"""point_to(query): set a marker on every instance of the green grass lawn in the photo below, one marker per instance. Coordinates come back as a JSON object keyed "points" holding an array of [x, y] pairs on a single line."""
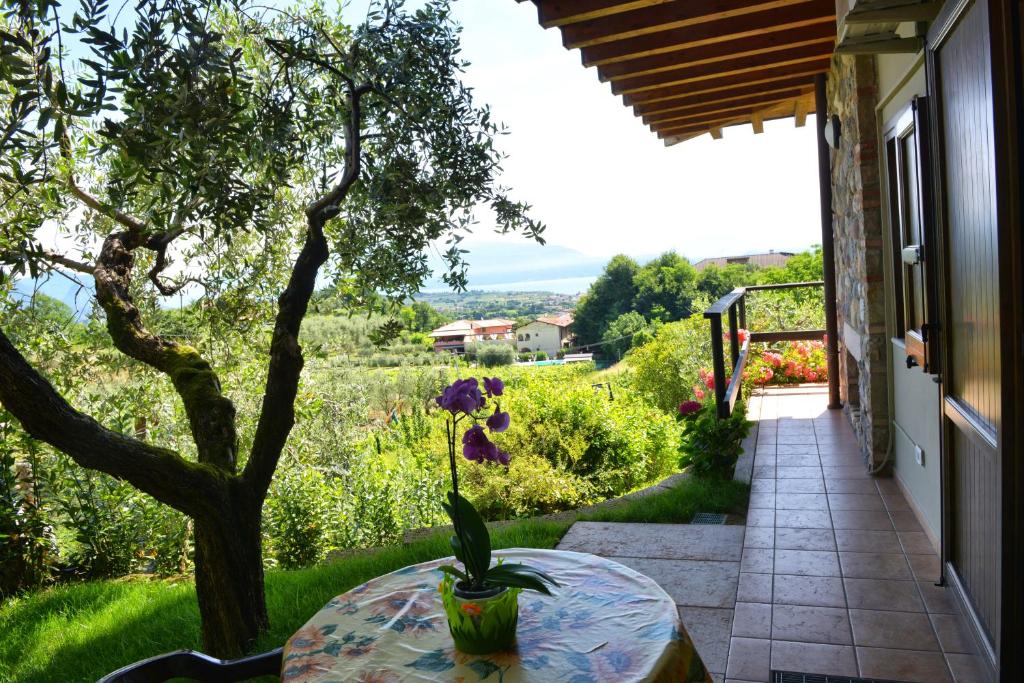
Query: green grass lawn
{"points": [[81, 631], [678, 504]]}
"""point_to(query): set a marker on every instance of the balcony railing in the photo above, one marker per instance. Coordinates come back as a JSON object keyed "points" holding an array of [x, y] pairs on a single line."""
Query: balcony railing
{"points": [[734, 305]]}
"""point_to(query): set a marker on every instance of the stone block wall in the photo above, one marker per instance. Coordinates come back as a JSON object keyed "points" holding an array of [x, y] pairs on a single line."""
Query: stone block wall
{"points": [[857, 222]]}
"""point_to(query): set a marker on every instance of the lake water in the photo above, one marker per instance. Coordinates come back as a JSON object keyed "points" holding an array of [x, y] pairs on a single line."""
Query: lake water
{"points": [[565, 285]]}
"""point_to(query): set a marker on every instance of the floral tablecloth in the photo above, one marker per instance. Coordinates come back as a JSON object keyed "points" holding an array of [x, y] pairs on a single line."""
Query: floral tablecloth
{"points": [[607, 622]]}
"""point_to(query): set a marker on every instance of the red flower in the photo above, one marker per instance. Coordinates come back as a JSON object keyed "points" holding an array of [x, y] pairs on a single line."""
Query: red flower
{"points": [[698, 393], [688, 408]]}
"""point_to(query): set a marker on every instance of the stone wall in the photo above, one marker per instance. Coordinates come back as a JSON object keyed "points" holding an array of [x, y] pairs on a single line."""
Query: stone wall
{"points": [[856, 205]]}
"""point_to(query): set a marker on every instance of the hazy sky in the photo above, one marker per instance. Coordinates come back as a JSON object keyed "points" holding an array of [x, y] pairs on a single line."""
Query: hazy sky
{"points": [[603, 182]]}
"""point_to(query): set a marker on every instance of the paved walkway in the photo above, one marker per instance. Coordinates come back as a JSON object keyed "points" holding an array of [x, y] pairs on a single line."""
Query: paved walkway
{"points": [[831, 575]]}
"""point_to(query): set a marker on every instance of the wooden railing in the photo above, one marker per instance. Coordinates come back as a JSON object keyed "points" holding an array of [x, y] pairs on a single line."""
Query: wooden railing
{"points": [[734, 305]]}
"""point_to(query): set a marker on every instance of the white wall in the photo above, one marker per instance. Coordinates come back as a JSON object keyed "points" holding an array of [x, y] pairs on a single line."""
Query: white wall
{"points": [[915, 395], [543, 337]]}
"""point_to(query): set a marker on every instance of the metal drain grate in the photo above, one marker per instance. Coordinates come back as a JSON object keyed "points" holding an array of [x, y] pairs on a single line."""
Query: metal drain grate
{"points": [[793, 677], [708, 518]]}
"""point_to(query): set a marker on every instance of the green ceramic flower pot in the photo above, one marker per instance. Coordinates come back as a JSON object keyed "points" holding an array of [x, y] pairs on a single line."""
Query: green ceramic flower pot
{"points": [[481, 623]]}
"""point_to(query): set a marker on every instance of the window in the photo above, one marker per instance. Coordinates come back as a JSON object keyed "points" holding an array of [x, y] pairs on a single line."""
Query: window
{"points": [[911, 223]]}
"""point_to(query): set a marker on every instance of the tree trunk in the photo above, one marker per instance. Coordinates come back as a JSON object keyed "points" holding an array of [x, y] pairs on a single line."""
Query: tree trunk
{"points": [[229, 575]]}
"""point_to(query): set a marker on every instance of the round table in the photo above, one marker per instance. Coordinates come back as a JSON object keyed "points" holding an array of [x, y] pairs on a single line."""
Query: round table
{"points": [[606, 622]]}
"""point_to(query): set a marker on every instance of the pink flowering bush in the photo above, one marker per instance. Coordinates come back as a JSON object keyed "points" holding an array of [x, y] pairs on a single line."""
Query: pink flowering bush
{"points": [[792, 363]]}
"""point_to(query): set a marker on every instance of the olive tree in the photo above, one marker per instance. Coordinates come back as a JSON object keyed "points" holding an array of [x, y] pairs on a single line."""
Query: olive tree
{"points": [[245, 153]]}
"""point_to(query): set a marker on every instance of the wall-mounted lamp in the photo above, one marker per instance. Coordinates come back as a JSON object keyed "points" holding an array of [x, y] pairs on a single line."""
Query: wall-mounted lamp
{"points": [[832, 131]]}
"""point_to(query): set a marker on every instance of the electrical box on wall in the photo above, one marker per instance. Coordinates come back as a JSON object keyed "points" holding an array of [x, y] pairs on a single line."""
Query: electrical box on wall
{"points": [[918, 455]]}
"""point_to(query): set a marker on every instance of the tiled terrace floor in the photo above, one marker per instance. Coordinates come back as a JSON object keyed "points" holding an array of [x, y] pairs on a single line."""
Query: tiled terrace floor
{"points": [[836, 575]]}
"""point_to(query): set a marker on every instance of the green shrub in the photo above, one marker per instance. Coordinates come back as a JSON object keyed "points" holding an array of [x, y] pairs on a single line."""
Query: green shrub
{"points": [[495, 355], [540, 355], [295, 518], [711, 446], [665, 369], [529, 486]]}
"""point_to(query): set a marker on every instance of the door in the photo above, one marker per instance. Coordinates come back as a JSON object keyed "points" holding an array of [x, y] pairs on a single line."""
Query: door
{"points": [[961, 78]]}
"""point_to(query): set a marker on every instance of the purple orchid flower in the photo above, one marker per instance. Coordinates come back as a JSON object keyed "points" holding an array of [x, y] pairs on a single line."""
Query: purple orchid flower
{"points": [[499, 421], [689, 408], [493, 386], [477, 447], [463, 396]]}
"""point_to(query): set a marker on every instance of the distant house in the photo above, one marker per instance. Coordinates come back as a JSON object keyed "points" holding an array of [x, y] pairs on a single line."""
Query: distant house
{"points": [[548, 333], [454, 337], [771, 259]]}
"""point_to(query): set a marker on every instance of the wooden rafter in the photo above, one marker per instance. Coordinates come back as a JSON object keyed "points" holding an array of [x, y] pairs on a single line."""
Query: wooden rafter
{"points": [[802, 83], [761, 44], [741, 65], [690, 67], [663, 17], [719, 31], [726, 83]]}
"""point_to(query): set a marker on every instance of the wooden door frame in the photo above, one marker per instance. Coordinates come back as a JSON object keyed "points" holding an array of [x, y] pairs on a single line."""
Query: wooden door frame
{"points": [[1005, 34]]}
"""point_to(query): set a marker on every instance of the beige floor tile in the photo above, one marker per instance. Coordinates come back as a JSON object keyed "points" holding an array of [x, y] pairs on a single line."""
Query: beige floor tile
{"points": [[808, 624], [797, 460], [861, 519], [937, 599], [888, 485], [915, 543], [884, 594], [874, 566], [762, 499], [807, 562], [800, 438], [749, 659], [805, 539], [925, 567], [797, 472], [849, 485], [965, 668], [752, 620], [845, 472], [903, 665], [952, 633], [710, 629], [895, 501], [754, 587], [803, 519], [759, 537], [760, 517], [813, 591], [757, 560], [763, 485], [855, 501], [812, 485], [764, 472], [808, 448], [700, 583], [867, 541], [765, 460], [905, 520], [801, 501], [899, 630], [832, 459], [837, 660]]}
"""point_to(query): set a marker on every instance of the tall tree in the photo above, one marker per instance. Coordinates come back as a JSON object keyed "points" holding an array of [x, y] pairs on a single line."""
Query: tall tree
{"points": [[239, 149], [610, 296], [665, 288]]}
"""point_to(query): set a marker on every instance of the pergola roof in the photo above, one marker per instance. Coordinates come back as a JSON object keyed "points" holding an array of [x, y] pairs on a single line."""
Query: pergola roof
{"points": [[689, 67]]}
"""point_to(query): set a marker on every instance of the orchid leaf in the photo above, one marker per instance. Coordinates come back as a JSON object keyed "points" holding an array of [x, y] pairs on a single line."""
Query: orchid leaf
{"points": [[520, 576]]}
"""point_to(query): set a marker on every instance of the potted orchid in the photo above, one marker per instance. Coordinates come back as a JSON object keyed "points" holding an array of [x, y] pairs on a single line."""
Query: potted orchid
{"points": [[481, 600]]}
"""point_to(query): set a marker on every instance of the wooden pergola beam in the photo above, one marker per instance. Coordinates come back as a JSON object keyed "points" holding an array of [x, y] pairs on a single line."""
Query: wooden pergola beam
{"points": [[561, 12], [714, 108], [692, 99], [662, 17], [764, 43], [728, 113], [804, 69], [751, 65], [776, 111], [794, 16]]}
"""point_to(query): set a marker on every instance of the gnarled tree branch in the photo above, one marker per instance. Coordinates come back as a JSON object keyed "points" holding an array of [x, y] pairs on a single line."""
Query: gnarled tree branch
{"points": [[45, 415], [277, 415], [211, 414], [69, 263]]}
